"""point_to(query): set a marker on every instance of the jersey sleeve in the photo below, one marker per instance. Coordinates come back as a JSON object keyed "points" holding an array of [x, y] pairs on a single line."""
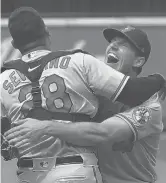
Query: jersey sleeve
{"points": [[3, 111], [102, 79], [144, 120]]}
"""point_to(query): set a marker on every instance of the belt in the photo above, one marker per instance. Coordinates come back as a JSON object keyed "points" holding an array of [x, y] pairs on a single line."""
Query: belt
{"points": [[28, 162]]}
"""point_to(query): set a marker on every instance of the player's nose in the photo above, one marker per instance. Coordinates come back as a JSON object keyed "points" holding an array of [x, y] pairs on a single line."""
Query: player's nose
{"points": [[114, 47]]}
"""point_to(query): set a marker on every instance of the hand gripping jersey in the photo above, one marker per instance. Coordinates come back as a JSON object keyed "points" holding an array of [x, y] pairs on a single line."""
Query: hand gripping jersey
{"points": [[63, 83]]}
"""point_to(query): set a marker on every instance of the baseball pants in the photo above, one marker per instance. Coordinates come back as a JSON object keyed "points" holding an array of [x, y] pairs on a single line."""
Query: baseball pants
{"points": [[80, 168]]}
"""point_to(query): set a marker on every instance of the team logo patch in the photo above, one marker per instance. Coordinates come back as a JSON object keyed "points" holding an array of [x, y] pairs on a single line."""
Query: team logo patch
{"points": [[44, 164], [142, 115]]}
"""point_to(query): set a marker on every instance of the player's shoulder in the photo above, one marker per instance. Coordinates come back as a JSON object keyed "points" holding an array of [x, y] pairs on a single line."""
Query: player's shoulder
{"points": [[151, 107], [151, 110], [80, 57], [154, 102], [79, 53], [3, 76], [7, 65], [6, 71]]}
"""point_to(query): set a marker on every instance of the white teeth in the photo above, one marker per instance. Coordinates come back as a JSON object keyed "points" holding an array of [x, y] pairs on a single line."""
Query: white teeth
{"points": [[113, 55]]}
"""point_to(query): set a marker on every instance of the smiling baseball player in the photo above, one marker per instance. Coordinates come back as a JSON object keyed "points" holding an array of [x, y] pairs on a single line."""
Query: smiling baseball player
{"points": [[58, 85], [128, 142]]}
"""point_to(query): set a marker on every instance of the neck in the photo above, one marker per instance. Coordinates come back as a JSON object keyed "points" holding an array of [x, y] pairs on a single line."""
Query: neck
{"points": [[133, 74], [35, 49]]}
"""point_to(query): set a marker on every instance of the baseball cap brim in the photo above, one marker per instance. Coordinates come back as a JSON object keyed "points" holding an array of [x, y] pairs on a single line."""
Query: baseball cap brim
{"points": [[110, 34]]}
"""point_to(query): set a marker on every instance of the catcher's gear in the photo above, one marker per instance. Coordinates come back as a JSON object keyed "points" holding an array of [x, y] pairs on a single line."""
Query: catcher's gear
{"points": [[8, 151], [37, 111]]}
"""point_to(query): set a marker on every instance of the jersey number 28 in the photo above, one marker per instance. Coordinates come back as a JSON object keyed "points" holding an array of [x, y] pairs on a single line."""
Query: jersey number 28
{"points": [[54, 92]]}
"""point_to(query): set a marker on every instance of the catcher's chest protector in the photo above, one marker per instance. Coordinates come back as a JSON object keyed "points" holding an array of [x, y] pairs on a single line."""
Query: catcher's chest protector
{"points": [[37, 111]]}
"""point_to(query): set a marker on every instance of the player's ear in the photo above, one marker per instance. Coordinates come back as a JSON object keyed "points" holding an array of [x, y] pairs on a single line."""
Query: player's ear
{"points": [[139, 62]]}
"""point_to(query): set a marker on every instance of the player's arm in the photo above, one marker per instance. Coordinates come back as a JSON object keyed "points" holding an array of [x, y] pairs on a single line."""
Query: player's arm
{"points": [[138, 90], [108, 132], [106, 81], [125, 127], [129, 126]]}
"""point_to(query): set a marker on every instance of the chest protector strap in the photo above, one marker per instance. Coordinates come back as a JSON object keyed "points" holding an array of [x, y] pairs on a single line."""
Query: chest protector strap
{"points": [[34, 75]]}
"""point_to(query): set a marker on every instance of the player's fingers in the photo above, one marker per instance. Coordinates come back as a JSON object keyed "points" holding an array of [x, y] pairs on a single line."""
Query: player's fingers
{"points": [[15, 134], [21, 143], [13, 130], [16, 140], [24, 146], [20, 122]]}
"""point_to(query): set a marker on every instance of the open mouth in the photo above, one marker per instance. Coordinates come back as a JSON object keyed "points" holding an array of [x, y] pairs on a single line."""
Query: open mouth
{"points": [[112, 58]]}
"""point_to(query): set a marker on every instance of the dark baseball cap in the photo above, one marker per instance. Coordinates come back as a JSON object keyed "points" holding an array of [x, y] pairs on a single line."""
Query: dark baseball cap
{"points": [[26, 25], [134, 35]]}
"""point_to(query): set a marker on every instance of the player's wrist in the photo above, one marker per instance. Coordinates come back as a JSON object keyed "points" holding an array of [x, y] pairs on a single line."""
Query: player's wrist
{"points": [[48, 127], [52, 128]]}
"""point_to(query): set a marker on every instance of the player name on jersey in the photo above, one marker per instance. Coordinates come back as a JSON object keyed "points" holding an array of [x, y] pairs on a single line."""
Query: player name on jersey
{"points": [[15, 78]]}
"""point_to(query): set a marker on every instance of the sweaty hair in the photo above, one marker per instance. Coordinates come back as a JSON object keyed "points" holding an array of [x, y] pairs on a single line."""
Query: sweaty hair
{"points": [[26, 26]]}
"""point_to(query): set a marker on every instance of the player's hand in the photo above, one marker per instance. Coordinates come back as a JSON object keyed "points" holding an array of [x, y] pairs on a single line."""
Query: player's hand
{"points": [[26, 132]]}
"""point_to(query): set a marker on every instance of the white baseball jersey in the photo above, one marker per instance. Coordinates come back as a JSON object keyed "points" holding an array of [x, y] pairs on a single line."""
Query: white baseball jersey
{"points": [[137, 166], [68, 84]]}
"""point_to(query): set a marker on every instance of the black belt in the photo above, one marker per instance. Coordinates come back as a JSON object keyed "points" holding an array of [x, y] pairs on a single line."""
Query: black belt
{"points": [[28, 162]]}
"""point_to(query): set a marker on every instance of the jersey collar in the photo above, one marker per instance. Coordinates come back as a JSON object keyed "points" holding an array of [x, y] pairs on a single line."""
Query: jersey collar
{"points": [[34, 55]]}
